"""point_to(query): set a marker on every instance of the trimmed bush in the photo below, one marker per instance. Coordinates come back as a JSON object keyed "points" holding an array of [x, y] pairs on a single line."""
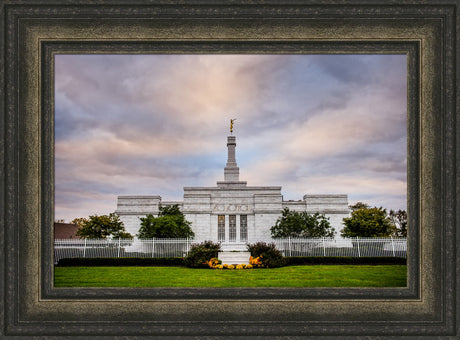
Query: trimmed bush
{"points": [[121, 262], [267, 253], [315, 260], [201, 253]]}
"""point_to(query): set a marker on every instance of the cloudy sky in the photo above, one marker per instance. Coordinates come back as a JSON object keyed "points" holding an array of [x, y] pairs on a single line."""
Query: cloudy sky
{"points": [[152, 124]]}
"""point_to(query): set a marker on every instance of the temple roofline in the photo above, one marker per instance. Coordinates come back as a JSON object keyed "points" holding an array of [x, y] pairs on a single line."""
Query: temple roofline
{"points": [[245, 188]]}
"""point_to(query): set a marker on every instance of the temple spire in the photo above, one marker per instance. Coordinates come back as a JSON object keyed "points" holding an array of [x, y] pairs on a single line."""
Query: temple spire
{"points": [[231, 170]]}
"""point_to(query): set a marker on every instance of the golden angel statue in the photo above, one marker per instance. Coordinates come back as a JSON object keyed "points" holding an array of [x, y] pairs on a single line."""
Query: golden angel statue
{"points": [[231, 125]]}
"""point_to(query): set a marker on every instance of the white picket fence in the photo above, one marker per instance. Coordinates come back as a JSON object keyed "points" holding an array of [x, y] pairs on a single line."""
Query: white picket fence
{"points": [[70, 248], [355, 247]]}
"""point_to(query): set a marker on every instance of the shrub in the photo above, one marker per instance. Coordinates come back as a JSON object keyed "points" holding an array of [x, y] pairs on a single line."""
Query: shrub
{"points": [[267, 253], [340, 260], [121, 262], [200, 254]]}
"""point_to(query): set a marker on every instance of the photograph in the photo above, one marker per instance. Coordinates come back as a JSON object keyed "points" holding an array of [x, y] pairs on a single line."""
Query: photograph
{"points": [[169, 165], [215, 169]]}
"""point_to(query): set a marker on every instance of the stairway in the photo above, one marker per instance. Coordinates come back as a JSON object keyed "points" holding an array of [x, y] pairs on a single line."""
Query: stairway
{"points": [[234, 257], [233, 246]]}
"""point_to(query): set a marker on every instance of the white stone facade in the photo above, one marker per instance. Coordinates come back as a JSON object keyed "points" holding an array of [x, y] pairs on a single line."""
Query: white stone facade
{"points": [[232, 212]]}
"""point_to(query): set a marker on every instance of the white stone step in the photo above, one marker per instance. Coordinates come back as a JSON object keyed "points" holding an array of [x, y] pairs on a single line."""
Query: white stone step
{"points": [[232, 246], [234, 257]]}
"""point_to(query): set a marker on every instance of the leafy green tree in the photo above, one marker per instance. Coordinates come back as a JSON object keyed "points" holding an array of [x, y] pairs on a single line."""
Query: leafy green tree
{"points": [[368, 222], [301, 224], [103, 226], [80, 221], [170, 223], [359, 205], [172, 210], [399, 219]]}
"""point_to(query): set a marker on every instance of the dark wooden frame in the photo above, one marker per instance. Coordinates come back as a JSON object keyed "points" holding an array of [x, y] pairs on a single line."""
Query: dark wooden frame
{"points": [[426, 31]]}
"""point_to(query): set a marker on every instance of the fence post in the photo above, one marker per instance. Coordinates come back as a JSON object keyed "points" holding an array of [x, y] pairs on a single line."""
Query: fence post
{"points": [[84, 249], [393, 246], [324, 248], [119, 246], [290, 248], [153, 246], [357, 242]]}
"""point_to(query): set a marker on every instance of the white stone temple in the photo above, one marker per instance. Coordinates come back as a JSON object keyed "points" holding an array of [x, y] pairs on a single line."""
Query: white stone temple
{"points": [[232, 212]]}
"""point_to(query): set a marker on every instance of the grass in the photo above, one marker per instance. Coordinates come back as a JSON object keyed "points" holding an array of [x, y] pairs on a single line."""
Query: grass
{"points": [[290, 276]]}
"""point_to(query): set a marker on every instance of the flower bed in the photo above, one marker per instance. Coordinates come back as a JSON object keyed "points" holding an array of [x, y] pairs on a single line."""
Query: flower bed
{"points": [[256, 261], [215, 263]]}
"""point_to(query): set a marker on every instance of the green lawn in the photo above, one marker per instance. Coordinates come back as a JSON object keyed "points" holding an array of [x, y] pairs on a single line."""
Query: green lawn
{"points": [[290, 276]]}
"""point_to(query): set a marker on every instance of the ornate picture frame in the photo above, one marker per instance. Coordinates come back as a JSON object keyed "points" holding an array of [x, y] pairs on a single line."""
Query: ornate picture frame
{"points": [[33, 33]]}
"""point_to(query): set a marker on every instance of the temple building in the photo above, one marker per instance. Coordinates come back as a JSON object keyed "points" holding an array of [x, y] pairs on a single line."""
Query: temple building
{"points": [[233, 212]]}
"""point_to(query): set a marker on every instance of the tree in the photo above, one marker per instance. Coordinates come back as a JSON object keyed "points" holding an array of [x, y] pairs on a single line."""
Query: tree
{"points": [[170, 223], [301, 224], [172, 210], [399, 219], [80, 221], [368, 222], [359, 205], [103, 226]]}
